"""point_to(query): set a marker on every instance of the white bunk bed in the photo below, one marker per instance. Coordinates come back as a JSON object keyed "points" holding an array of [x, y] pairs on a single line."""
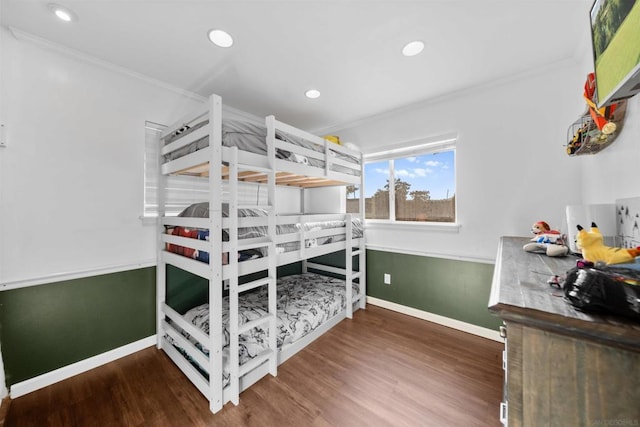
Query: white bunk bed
{"points": [[278, 154]]}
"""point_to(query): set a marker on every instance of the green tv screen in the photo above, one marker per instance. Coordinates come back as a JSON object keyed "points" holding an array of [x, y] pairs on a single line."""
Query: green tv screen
{"points": [[615, 31]]}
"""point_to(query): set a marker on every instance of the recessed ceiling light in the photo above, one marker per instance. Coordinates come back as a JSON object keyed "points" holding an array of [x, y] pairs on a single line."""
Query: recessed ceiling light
{"points": [[220, 38], [413, 48], [63, 13], [312, 93]]}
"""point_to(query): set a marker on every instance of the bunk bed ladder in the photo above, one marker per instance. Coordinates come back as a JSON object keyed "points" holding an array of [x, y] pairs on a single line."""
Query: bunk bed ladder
{"points": [[350, 273], [270, 356], [360, 252]]}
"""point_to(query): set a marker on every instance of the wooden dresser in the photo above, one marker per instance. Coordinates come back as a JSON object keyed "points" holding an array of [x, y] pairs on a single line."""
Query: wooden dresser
{"points": [[562, 367]]}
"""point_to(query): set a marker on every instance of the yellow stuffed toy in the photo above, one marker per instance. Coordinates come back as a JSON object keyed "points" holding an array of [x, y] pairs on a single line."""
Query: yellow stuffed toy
{"points": [[591, 243]]}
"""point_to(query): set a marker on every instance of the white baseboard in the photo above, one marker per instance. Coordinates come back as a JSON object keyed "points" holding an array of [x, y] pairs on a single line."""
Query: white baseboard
{"points": [[435, 318], [44, 380]]}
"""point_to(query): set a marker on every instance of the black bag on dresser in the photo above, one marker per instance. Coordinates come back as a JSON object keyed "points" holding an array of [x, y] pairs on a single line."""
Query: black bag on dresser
{"points": [[604, 289]]}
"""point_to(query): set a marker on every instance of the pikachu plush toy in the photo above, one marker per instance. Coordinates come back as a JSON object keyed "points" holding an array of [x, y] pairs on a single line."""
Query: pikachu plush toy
{"points": [[591, 243]]}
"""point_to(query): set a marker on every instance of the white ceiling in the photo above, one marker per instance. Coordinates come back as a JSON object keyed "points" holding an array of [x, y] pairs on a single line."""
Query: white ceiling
{"points": [[349, 50]]}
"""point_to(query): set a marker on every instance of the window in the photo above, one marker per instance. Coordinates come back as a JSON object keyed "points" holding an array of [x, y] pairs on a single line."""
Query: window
{"points": [[424, 183]]}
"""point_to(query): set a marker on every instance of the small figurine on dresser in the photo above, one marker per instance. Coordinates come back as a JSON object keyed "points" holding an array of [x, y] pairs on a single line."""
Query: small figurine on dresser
{"points": [[546, 241]]}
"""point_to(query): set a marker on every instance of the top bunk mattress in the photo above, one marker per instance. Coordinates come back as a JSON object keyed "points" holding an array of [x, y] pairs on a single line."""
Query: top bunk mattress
{"points": [[251, 137]]}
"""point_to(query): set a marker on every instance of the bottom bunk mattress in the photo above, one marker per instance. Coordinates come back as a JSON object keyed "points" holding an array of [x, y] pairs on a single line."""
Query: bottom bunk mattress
{"points": [[304, 302]]}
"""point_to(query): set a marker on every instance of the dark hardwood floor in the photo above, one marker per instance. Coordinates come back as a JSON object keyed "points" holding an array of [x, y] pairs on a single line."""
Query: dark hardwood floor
{"points": [[381, 368]]}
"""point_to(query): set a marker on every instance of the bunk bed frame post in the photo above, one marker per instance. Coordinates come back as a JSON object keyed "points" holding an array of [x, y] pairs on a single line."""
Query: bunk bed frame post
{"points": [[362, 257], [234, 360], [272, 230], [302, 212], [161, 266], [349, 264], [215, 258]]}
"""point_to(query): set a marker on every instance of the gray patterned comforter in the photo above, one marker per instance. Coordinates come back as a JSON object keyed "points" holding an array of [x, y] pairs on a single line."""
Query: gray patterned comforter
{"points": [[304, 302]]}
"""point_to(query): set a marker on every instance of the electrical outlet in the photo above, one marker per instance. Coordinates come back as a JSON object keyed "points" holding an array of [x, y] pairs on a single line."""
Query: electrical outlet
{"points": [[387, 279]]}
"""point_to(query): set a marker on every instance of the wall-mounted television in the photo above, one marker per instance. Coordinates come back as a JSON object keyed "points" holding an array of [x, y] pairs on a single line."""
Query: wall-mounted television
{"points": [[615, 37]]}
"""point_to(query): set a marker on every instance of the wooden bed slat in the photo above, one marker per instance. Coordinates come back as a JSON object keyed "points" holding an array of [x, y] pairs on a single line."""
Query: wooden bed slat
{"points": [[282, 178]]}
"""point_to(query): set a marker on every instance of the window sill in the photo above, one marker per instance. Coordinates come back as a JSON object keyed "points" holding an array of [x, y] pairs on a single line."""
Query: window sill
{"points": [[406, 225]]}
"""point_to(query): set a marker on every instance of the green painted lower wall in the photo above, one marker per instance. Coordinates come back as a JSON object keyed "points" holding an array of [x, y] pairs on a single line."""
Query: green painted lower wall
{"points": [[450, 288], [46, 327]]}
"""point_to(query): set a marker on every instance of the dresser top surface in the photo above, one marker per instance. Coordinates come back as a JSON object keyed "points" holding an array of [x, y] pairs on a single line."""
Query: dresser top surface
{"points": [[520, 292]]}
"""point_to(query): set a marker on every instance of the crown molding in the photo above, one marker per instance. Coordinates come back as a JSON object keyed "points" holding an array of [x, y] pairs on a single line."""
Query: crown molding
{"points": [[84, 57]]}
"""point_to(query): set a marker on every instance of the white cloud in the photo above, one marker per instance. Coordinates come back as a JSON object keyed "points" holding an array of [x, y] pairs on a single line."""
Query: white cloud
{"points": [[382, 171], [412, 159], [413, 173], [421, 172], [433, 163]]}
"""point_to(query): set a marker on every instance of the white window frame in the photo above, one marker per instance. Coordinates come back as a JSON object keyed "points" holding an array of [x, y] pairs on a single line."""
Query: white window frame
{"points": [[416, 147]]}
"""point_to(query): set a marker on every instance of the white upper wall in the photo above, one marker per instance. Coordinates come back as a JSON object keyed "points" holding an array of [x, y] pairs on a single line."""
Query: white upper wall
{"points": [[71, 177], [511, 164], [609, 174], [612, 173]]}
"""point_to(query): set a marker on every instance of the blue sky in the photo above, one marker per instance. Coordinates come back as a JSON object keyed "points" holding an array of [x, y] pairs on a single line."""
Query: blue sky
{"points": [[433, 172]]}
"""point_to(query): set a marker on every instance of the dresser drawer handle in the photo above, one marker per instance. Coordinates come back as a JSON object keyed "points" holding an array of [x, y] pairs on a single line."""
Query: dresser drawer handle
{"points": [[504, 410], [503, 331]]}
